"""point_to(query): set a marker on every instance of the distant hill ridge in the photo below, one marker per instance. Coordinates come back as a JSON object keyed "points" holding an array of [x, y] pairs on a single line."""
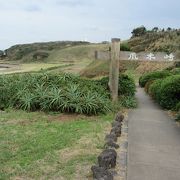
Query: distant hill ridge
{"points": [[38, 50], [155, 40], [141, 40]]}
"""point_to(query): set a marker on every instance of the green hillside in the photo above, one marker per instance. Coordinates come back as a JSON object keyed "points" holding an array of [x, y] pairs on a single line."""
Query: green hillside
{"points": [[78, 57], [155, 40], [142, 40], [63, 56], [38, 51]]}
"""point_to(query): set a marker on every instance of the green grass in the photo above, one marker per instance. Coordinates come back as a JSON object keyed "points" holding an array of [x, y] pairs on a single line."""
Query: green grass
{"points": [[38, 145], [96, 68], [34, 67], [133, 74], [75, 53]]}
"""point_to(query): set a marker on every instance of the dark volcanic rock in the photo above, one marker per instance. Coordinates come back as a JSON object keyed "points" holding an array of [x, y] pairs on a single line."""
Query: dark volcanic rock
{"points": [[112, 144], [119, 117], [116, 131], [107, 158], [116, 124], [101, 173], [111, 136]]}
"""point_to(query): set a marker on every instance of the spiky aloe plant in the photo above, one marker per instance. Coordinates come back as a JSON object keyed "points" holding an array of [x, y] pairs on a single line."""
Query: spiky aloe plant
{"points": [[52, 100], [53, 92]]}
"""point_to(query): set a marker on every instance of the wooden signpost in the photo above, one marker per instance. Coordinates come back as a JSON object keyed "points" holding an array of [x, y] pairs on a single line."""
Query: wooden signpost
{"points": [[114, 69], [116, 55]]}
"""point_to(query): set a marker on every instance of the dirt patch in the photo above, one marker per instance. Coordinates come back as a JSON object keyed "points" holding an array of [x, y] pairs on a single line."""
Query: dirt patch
{"points": [[83, 172], [85, 145], [145, 67], [24, 122], [4, 68], [69, 117]]}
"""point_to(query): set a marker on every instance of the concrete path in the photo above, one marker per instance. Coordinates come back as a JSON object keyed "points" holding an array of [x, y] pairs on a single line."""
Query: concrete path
{"points": [[153, 143]]}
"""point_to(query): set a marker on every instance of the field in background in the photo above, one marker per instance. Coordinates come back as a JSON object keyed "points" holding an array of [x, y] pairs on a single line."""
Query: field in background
{"points": [[80, 59], [70, 59]]}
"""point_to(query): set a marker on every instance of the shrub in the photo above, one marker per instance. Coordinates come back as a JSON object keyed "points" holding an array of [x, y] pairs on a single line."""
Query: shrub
{"points": [[40, 55], [175, 71], [128, 101], [170, 92], [126, 85], [147, 86], [154, 88], [53, 92], [139, 31], [152, 76], [125, 47], [167, 91], [177, 106]]}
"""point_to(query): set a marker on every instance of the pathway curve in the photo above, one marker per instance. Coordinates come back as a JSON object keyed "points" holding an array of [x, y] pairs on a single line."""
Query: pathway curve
{"points": [[153, 142]]}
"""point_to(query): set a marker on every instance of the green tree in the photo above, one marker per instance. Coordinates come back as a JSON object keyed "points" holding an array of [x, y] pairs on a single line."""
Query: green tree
{"points": [[155, 29], [169, 29], [1, 53], [139, 31]]}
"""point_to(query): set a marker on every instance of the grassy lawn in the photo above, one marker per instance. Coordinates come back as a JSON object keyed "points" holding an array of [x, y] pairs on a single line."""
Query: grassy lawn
{"points": [[68, 67], [28, 67], [49, 146]]}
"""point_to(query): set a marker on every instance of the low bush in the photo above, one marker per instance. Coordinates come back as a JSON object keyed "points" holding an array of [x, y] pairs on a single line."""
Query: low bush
{"points": [[60, 92], [128, 101], [177, 106], [167, 91], [147, 86], [154, 88], [175, 71], [152, 76], [53, 92], [126, 85], [125, 47]]}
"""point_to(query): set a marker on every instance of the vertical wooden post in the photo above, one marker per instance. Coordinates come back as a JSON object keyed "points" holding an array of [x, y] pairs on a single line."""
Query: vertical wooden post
{"points": [[114, 69]]}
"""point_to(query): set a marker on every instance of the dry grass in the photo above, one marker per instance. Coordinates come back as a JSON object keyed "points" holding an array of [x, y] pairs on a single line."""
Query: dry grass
{"points": [[145, 67], [28, 67]]}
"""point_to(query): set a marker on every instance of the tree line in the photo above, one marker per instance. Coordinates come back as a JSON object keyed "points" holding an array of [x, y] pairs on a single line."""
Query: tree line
{"points": [[142, 30]]}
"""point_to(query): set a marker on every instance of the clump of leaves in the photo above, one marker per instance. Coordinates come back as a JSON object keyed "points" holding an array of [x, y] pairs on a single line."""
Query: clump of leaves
{"points": [[167, 92], [128, 101], [126, 87], [153, 76], [53, 92]]}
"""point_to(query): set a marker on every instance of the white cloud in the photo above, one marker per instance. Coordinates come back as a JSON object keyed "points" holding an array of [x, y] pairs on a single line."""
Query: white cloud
{"points": [[24, 21], [73, 3]]}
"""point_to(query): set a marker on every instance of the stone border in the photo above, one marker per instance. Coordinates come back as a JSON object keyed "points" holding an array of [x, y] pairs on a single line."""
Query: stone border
{"points": [[112, 162], [123, 153]]}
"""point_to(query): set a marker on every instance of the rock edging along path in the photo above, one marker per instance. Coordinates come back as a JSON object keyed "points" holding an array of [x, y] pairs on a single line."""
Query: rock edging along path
{"points": [[109, 161], [153, 142]]}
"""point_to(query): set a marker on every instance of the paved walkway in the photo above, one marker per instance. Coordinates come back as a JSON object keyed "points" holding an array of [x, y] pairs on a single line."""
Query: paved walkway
{"points": [[153, 143]]}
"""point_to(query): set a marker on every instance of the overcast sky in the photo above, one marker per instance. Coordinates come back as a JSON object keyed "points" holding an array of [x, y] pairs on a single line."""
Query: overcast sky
{"points": [[26, 21]]}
